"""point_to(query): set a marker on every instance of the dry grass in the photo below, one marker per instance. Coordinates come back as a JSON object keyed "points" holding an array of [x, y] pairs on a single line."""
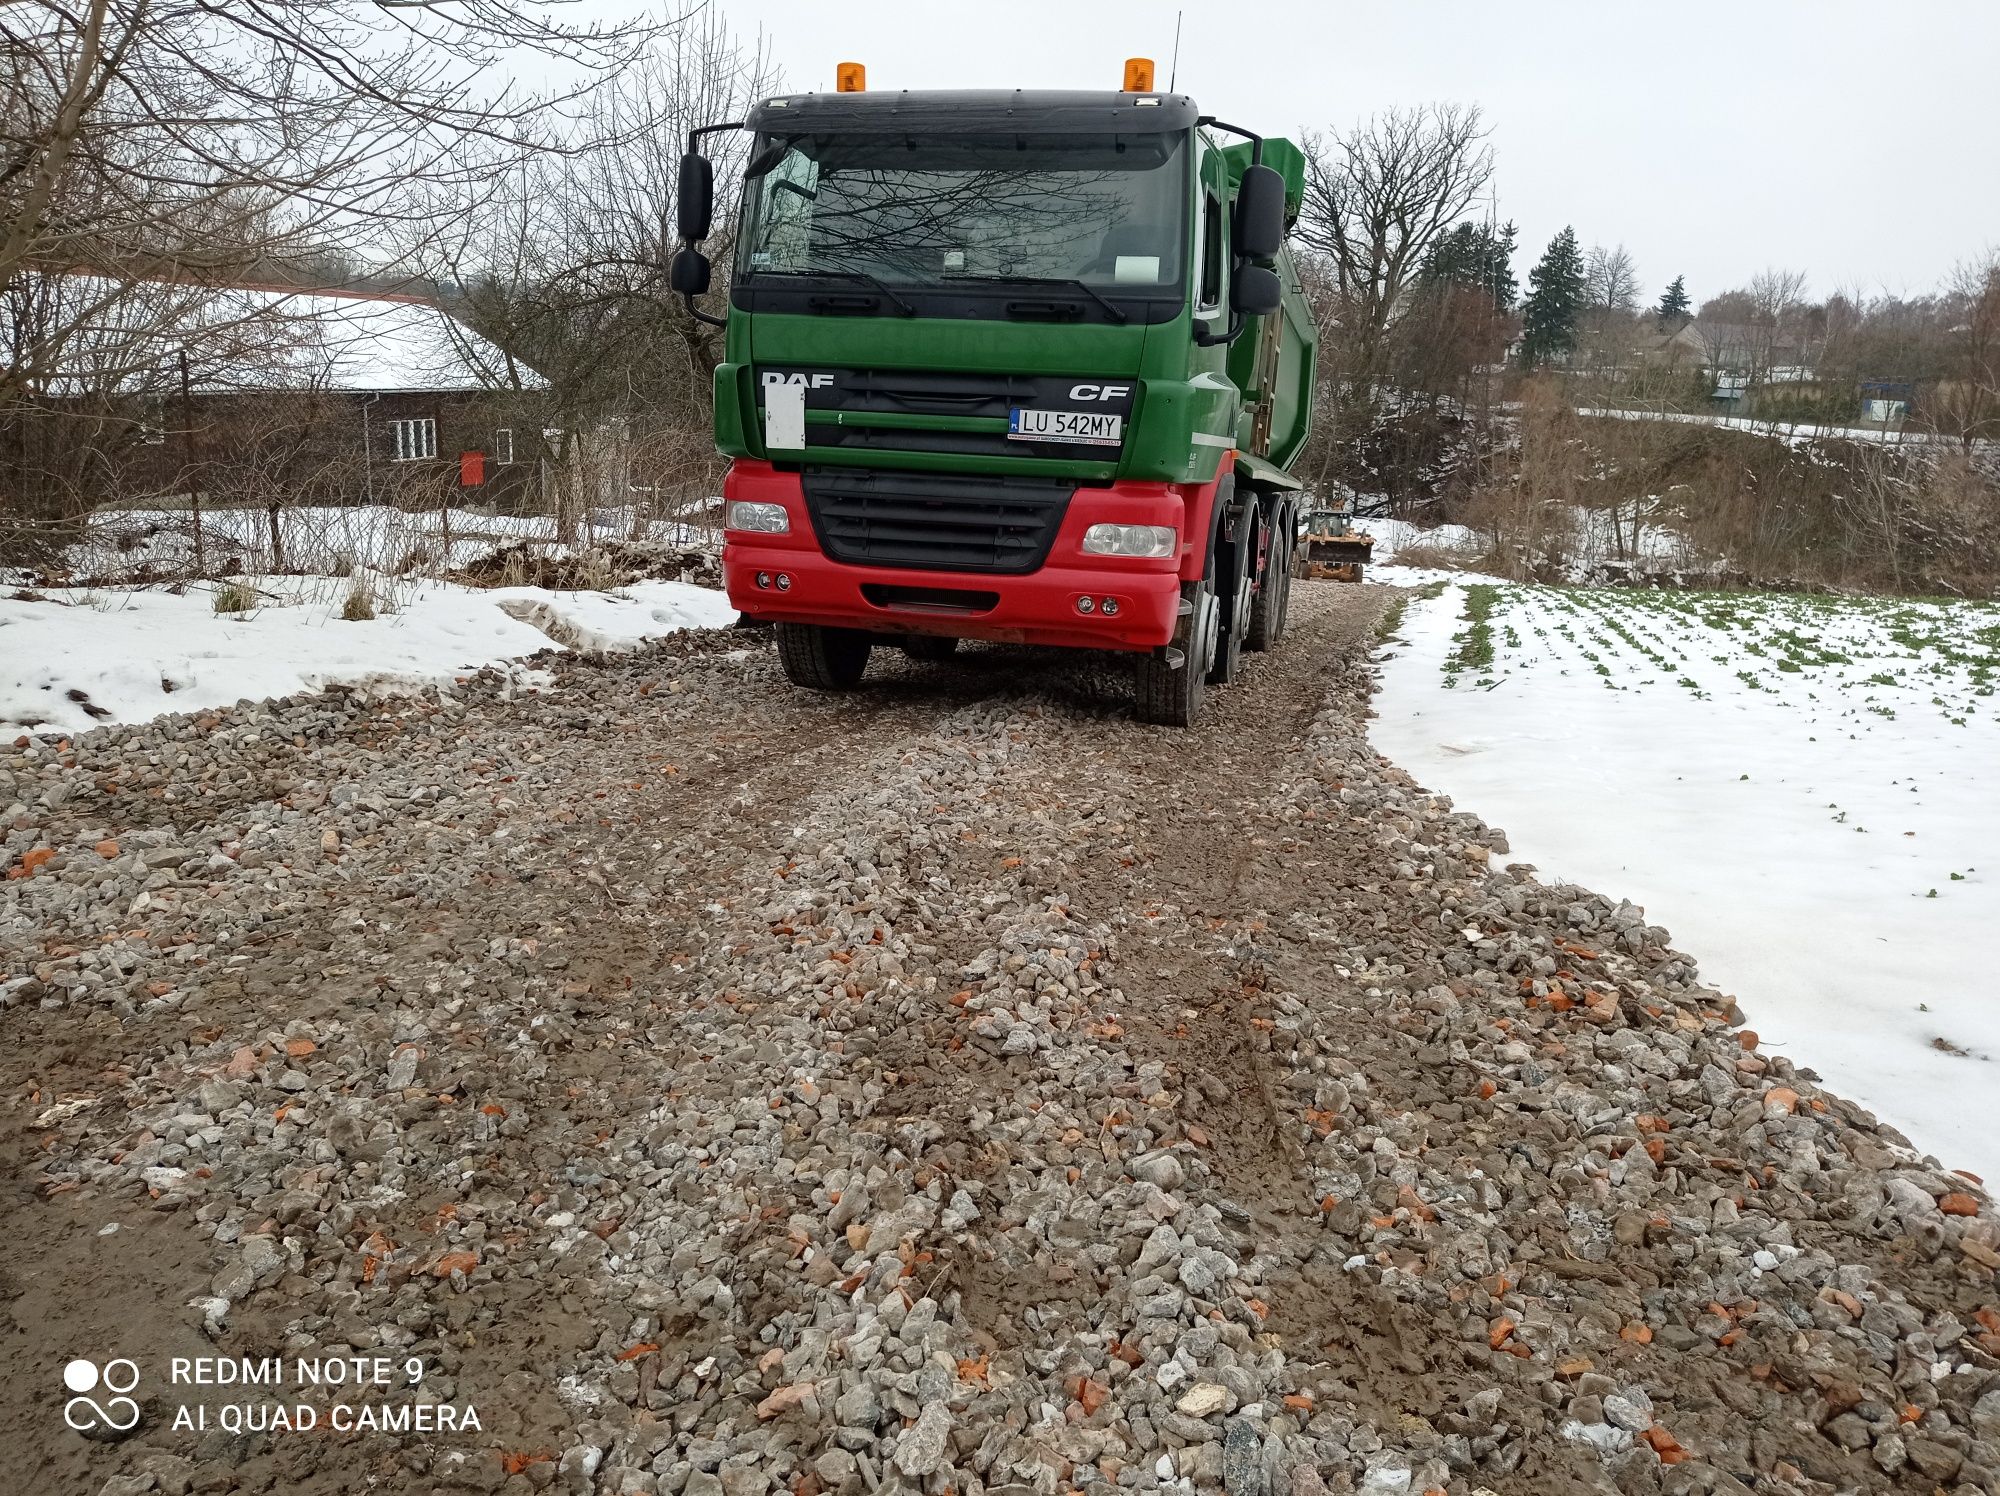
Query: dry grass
{"points": [[359, 606], [1440, 557], [1742, 507]]}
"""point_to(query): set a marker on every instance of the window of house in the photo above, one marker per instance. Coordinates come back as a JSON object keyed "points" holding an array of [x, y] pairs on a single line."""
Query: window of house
{"points": [[1211, 250], [415, 439], [503, 444]]}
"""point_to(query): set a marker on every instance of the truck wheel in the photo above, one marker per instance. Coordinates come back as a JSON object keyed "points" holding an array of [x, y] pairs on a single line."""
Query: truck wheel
{"points": [[823, 659], [1171, 695], [1274, 598], [930, 646], [1234, 623]]}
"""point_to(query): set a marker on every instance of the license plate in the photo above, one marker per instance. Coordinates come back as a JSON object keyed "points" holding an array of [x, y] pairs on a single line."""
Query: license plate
{"points": [[1093, 427]]}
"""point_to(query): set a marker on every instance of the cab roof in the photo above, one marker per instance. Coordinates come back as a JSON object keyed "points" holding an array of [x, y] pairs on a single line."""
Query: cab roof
{"points": [[1026, 111]]}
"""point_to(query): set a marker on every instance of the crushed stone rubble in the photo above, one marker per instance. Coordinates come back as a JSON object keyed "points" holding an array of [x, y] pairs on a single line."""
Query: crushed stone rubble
{"points": [[955, 1088]]}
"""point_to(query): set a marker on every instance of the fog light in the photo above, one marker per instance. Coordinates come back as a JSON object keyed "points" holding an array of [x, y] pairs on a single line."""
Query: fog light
{"points": [[1153, 541], [784, 582], [1109, 606], [1085, 605], [763, 579], [763, 519]]}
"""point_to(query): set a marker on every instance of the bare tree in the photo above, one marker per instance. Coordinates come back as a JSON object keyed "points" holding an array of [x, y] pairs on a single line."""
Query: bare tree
{"points": [[562, 267], [1775, 293], [1775, 296], [1377, 197], [1966, 402], [1611, 280], [1610, 306], [146, 140]]}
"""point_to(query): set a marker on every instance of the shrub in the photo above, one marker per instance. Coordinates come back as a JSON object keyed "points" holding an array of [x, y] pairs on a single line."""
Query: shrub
{"points": [[235, 597], [360, 604]]}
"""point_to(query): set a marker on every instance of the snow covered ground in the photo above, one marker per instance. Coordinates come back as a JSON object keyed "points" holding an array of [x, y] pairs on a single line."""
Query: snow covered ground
{"points": [[1393, 535], [1804, 791], [121, 542], [1789, 431], [1593, 549], [77, 658]]}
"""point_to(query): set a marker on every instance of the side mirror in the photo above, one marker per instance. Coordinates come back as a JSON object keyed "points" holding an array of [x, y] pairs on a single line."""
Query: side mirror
{"points": [[688, 272], [1260, 214], [1254, 291], [695, 205]]}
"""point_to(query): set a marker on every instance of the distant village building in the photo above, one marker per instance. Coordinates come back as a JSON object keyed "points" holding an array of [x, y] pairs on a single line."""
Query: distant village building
{"points": [[1731, 390], [165, 393], [387, 397], [1887, 401]]}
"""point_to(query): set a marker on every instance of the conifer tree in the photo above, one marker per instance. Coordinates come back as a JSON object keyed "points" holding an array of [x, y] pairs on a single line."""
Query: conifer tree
{"points": [[1456, 255], [1500, 282], [1673, 309], [1555, 297], [1472, 254]]}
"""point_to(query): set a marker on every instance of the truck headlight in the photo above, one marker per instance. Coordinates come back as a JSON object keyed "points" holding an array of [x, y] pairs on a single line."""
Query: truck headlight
{"points": [[1131, 540], [765, 519]]}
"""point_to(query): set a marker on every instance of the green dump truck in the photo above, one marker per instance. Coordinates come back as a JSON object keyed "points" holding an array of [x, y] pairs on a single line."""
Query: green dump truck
{"points": [[1017, 366]]}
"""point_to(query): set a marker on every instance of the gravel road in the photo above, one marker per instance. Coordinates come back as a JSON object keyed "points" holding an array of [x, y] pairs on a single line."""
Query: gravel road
{"points": [[716, 1089]]}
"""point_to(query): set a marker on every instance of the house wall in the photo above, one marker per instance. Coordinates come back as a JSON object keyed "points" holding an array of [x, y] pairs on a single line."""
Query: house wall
{"points": [[294, 447], [463, 423]]}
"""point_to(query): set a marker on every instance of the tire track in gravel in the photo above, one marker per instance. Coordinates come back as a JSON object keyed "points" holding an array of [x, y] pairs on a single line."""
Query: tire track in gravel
{"points": [[1232, 861], [1196, 822], [1215, 892]]}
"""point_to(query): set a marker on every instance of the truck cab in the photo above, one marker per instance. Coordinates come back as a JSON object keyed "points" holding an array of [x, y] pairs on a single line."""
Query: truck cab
{"points": [[1015, 366]]}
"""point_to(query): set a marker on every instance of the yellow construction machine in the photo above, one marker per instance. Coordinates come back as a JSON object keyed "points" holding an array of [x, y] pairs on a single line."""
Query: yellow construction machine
{"points": [[1332, 549]]}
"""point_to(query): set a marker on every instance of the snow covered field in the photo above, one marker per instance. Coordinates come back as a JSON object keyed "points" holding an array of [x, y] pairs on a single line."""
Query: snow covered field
{"points": [[78, 658], [1804, 791]]}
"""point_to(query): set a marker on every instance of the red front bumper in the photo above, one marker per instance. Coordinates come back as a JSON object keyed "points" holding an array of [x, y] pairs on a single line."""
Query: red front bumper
{"points": [[1038, 608]]}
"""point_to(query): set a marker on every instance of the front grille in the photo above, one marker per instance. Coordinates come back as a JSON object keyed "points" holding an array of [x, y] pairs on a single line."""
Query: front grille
{"points": [[863, 397], [940, 521], [925, 392], [950, 443]]}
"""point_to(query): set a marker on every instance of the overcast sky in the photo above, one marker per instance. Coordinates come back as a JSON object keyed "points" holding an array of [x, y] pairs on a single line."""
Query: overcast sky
{"points": [[1859, 142]]}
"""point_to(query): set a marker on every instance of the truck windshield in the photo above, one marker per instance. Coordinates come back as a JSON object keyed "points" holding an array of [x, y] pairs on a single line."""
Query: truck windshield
{"points": [[926, 211]]}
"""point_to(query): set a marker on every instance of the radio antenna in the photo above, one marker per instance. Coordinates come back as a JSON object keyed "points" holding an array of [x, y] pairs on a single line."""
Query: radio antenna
{"points": [[1174, 67]]}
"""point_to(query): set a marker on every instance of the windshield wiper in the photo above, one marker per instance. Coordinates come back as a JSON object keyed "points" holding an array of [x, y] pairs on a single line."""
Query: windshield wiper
{"points": [[1111, 309], [901, 305], [863, 276]]}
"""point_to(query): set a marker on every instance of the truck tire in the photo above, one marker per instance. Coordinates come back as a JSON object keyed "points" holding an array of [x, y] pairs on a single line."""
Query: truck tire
{"points": [[1274, 597], [821, 658], [1235, 606], [930, 646], [1172, 696]]}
